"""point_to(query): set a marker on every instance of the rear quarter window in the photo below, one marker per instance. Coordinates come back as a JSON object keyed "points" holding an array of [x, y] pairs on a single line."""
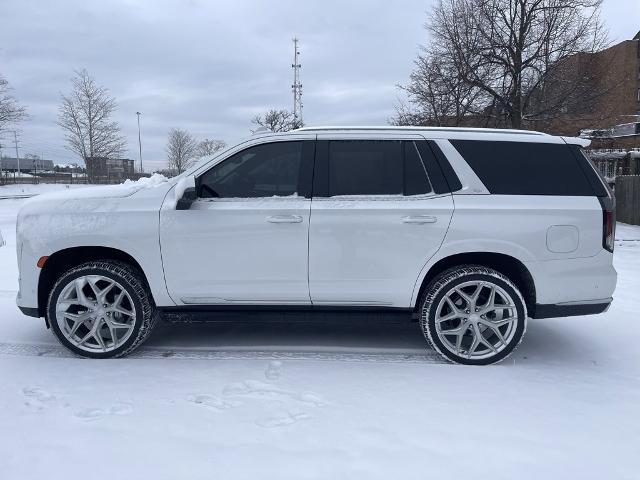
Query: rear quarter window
{"points": [[520, 168]]}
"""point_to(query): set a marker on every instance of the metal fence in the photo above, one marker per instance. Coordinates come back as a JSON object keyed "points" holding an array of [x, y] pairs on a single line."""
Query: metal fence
{"points": [[10, 178], [628, 199]]}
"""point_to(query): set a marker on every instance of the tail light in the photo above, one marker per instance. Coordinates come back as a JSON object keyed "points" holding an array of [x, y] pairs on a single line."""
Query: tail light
{"points": [[608, 223]]}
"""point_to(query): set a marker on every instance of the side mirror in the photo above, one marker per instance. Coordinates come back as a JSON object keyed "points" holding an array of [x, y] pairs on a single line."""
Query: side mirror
{"points": [[185, 193]]}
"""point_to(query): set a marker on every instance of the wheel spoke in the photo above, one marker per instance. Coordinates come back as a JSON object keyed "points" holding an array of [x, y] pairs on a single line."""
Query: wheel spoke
{"points": [[82, 299], [497, 333], [484, 341], [76, 325], [466, 297], [452, 305], [487, 307], [122, 311], [474, 344], [105, 290], [94, 288], [459, 343], [449, 316], [461, 330], [119, 324], [476, 294], [500, 323], [86, 337], [97, 335], [113, 332]]}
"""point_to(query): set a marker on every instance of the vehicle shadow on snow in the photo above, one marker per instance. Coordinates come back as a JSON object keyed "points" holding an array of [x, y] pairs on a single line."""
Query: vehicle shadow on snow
{"points": [[544, 341], [257, 331]]}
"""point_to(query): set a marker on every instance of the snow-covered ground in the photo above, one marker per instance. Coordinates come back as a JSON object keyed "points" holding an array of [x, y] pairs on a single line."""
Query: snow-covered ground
{"points": [[309, 400]]}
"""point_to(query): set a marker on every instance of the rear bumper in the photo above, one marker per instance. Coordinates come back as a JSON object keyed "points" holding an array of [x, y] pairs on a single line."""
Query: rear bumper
{"points": [[571, 309], [574, 280]]}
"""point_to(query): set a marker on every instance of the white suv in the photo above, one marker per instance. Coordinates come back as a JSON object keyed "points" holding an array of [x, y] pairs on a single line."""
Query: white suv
{"points": [[470, 231]]}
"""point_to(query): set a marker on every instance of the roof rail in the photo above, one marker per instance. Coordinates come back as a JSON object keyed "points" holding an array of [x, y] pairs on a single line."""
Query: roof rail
{"points": [[431, 129]]}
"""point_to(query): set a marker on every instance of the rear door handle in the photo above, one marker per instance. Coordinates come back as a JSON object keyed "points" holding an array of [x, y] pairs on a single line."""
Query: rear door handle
{"points": [[419, 219], [284, 219]]}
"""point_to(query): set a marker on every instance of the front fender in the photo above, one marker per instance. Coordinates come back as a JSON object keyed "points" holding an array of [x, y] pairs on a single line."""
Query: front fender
{"points": [[129, 226]]}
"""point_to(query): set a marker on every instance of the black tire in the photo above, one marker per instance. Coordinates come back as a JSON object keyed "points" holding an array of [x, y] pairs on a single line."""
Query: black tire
{"points": [[456, 276], [132, 281]]}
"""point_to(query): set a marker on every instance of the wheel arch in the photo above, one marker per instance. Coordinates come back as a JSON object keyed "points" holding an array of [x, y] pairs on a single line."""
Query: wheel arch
{"points": [[62, 260], [509, 266]]}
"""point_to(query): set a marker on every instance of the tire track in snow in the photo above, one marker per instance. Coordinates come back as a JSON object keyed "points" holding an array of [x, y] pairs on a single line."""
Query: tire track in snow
{"points": [[56, 351]]}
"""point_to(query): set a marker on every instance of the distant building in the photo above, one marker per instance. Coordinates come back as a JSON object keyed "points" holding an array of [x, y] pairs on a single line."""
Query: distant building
{"points": [[109, 170], [610, 97], [607, 110], [27, 165]]}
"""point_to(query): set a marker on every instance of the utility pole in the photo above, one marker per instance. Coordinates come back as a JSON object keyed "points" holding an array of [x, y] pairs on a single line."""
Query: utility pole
{"points": [[297, 86], [140, 141], [15, 141]]}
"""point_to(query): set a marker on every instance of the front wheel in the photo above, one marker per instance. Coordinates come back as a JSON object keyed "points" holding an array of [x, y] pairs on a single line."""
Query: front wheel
{"points": [[101, 309], [473, 315]]}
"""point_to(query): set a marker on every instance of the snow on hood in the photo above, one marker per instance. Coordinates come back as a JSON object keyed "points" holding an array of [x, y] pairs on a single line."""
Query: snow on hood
{"points": [[125, 189]]}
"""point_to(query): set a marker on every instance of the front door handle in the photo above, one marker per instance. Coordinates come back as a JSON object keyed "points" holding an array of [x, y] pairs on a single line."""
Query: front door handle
{"points": [[419, 219], [284, 219]]}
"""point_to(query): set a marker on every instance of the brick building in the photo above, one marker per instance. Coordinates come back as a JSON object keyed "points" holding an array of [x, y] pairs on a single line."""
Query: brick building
{"points": [[609, 97], [606, 109]]}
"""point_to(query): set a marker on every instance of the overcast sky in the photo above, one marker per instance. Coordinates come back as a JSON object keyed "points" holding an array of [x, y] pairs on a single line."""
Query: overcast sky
{"points": [[210, 66]]}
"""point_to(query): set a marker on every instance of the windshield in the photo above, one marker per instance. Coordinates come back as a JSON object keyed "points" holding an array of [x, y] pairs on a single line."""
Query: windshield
{"points": [[203, 161], [193, 168]]}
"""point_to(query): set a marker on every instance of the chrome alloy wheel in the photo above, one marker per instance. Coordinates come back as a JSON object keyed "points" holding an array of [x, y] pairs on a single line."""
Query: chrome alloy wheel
{"points": [[476, 320], [95, 313]]}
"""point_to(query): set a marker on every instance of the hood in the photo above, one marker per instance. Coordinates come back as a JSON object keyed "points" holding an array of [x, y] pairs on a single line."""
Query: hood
{"points": [[105, 191], [90, 197]]}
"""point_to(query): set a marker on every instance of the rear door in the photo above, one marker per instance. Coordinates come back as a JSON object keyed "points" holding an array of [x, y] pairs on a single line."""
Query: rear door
{"points": [[380, 211]]}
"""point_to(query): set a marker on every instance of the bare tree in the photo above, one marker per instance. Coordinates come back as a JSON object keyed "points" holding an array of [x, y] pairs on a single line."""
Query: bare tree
{"points": [[10, 110], [277, 121], [208, 147], [85, 116], [509, 50], [182, 149], [437, 94]]}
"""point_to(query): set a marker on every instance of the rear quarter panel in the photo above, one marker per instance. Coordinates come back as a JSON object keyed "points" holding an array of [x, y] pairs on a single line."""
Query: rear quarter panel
{"points": [[517, 225]]}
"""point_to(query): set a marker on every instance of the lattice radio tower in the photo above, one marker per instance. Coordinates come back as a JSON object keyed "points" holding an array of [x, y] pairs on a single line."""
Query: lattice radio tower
{"points": [[296, 88]]}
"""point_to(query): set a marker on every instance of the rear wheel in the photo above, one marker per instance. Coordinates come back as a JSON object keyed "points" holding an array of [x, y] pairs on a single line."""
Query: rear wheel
{"points": [[101, 309], [473, 315]]}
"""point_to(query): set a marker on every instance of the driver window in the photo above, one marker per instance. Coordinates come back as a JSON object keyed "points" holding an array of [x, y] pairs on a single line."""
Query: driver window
{"points": [[266, 170]]}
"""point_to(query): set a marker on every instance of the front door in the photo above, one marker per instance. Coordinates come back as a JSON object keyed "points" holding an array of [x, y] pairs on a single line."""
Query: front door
{"points": [[245, 239]]}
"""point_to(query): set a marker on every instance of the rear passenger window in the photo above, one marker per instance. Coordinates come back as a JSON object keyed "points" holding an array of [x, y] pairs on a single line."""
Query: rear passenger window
{"points": [[375, 167], [519, 168]]}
